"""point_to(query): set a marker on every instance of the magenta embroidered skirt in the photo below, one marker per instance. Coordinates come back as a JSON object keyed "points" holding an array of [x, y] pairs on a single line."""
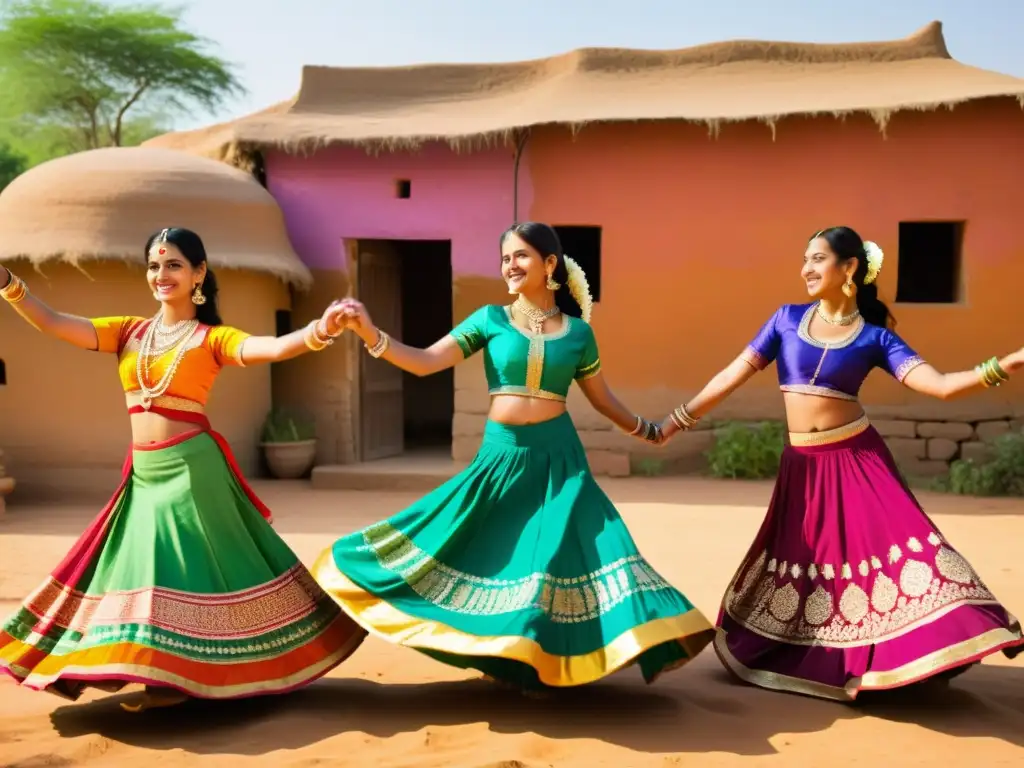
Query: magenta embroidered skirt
{"points": [[849, 586]]}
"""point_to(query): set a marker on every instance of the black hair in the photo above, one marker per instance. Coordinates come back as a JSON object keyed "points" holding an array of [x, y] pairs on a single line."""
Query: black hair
{"points": [[192, 248], [846, 244], [543, 239]]}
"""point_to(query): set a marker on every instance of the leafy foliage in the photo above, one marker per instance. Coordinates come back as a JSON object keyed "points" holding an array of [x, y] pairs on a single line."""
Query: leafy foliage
{"points": [[12, 165], [747, 451], [76, 69], [283, 426], [1002, 474]]}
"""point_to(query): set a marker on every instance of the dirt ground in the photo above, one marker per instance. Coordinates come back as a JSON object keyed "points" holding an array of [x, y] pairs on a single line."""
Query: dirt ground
{"points": [[394, 708]]}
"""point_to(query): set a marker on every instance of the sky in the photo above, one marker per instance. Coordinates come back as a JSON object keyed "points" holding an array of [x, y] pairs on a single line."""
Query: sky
{"points": [[270, 40]]}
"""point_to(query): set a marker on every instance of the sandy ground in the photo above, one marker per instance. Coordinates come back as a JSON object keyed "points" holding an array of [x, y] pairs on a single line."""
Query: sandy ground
{"points": [[394, 708]]}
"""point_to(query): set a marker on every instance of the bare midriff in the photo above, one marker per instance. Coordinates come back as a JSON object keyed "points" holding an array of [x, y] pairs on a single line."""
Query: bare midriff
{"points": [[149, 428], [517, 410], [812, 413]]}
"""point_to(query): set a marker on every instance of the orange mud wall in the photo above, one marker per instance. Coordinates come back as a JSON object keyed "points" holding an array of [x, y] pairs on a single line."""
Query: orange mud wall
{"points": [[702, 240], [64, 427]]}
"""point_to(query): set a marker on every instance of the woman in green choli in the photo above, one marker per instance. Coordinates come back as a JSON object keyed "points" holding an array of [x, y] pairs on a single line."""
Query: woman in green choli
{"points": [[519, 566]]}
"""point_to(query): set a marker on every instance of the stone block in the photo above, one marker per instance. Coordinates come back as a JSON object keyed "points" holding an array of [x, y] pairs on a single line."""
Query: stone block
{"points": [[468, 425], [464, 448], [905, 448], [923, 467], [942, 449], [975, 451], [990, 430], [608, 463], [895, 428], [950, 430]]}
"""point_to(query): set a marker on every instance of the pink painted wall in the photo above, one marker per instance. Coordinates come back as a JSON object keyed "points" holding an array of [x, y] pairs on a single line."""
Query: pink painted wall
{"points": [[343, 192]]}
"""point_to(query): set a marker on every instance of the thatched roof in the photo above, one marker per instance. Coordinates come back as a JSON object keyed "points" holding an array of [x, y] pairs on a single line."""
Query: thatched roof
{"points": [[463, 104], [104, 203]]}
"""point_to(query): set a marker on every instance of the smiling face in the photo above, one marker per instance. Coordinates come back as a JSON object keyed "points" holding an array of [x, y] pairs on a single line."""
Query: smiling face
{"points": [[170, 275], [522, 267], [823, 272]]}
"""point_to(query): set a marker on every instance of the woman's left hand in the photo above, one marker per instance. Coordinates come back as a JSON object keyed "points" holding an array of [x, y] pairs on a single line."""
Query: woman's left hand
{"points": [[668, 429]]}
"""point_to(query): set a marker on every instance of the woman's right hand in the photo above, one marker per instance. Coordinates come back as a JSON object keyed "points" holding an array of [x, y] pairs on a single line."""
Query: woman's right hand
{"points": [[668, 429], [354, 316]]}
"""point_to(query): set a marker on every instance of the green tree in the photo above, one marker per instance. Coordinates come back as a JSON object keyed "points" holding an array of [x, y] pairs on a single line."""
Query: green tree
{"points": [[11, 165], [87, 75]]}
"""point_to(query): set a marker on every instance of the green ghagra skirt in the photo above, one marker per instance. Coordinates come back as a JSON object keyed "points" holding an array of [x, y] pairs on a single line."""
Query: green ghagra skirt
{"points": [[179, 582], [519, 567]]}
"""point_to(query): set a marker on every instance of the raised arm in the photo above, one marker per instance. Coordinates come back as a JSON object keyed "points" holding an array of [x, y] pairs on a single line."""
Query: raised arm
{"points": [[909, 368], [466, 339], [230, 344], [70, 328], [758, 355]]}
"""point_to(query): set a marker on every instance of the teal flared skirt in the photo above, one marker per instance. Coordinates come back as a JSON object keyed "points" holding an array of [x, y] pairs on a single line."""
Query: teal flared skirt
{"points": [[519, 567]]}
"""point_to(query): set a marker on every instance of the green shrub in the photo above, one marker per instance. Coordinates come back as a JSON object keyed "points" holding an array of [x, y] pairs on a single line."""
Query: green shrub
{"points": [[748, 451], [282, 426], [1000, 475]]}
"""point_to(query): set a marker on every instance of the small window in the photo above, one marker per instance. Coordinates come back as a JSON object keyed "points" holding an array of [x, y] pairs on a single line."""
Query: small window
{"points": [[583, 245], [283, 322], [929, 262], [3, 374], [403, 189]]}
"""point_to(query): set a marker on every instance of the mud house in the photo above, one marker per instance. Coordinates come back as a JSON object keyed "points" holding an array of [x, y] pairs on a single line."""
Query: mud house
{"points": [[686, 183], [75, 229]]}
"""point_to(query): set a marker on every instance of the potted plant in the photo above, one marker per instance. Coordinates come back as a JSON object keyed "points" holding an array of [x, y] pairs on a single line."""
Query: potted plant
{"points": [[289, 444]]}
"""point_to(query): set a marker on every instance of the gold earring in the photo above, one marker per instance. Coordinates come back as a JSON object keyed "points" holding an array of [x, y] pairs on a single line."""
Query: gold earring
{"points": [[849, 288], [551, 284], [197, 296]]}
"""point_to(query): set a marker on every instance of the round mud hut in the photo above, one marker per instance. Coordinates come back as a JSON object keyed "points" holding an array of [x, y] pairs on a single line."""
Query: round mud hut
{"points": [[75, 229]]}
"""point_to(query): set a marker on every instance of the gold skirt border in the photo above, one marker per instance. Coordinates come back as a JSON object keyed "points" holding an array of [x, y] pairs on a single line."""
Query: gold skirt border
{"points": [[964, 652], [691, 630]]}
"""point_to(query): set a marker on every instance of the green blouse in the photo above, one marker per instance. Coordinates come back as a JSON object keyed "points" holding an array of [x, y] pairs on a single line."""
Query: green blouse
{"points": [[518, 362]]}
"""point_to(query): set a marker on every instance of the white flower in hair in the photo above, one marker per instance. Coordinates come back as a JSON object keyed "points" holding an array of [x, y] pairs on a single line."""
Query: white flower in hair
{"points": [[579, 287], [874, 257]]}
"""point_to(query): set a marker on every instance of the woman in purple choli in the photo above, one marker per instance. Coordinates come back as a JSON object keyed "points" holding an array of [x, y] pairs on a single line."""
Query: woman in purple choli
{"points": [[848, 585]]}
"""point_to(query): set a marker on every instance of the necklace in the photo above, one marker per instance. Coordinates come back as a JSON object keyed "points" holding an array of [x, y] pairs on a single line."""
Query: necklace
{"points": [[149, 351], [535, 316], [840, 319]]}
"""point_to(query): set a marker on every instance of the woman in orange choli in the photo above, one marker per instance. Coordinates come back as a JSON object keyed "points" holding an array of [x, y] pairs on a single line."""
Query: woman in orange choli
{"points": [[180, 583]]}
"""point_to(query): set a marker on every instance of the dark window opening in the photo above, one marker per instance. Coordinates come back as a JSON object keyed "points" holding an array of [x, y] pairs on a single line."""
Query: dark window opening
{"points": [[283, 322], [403, 189], [259, 168], [583, 245], [929, 262], [3, 374]]}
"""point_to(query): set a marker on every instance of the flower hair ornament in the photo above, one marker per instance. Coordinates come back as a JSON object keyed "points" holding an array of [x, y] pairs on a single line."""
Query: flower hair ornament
{"points": [[580, 288], [874, 257]]}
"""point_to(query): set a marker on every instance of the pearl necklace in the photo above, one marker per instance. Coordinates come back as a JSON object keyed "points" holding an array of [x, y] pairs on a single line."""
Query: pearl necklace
{"points": [[841, 319], [148, 354], [535, 316]]}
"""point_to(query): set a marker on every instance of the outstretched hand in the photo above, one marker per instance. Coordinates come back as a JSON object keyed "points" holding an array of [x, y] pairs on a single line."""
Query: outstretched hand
{"points": [[351, 314], [668, 430], [5, 276]]}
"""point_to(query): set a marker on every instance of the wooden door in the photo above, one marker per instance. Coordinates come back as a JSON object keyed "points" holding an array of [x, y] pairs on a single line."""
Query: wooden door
{"points": [[382, 422]]}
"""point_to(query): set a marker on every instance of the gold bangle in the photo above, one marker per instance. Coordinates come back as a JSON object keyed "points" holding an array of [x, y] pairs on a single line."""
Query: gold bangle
{"points": [[638, 428], [15, 291], [313, 340], [380, 346]]}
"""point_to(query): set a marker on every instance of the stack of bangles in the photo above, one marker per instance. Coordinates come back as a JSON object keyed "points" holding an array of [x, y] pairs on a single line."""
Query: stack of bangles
{"points": [[646, 430], [381, 345], [15, 290], [682, 419], [316, 339], [990, 373]]}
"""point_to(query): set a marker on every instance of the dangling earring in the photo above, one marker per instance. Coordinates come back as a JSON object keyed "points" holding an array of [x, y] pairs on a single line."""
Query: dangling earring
{"points": [[849, 288], [551, 284], [197, 296]]}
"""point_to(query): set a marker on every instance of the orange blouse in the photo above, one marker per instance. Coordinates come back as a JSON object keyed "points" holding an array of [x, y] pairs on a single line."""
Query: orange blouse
{"points": [[210, 348]]}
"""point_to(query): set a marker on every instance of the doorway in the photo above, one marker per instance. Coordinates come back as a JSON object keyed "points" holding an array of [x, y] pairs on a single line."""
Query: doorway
{"points": [[406, 286]]}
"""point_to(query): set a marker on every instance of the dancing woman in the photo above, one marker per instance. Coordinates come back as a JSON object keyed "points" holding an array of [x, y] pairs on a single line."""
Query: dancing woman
{"points": [[519, 566], [180, 583], [848, 585]]}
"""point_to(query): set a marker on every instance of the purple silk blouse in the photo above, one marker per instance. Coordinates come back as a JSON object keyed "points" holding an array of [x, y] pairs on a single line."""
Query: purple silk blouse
{"points": [[827, 369]]}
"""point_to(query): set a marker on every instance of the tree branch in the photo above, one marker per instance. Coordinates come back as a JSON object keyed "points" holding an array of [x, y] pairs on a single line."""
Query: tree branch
{"points": [[119, 120]]}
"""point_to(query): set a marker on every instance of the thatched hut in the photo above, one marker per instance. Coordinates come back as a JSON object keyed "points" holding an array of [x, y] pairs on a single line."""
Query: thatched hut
{"points": [[74, 228], [686, 183]]}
